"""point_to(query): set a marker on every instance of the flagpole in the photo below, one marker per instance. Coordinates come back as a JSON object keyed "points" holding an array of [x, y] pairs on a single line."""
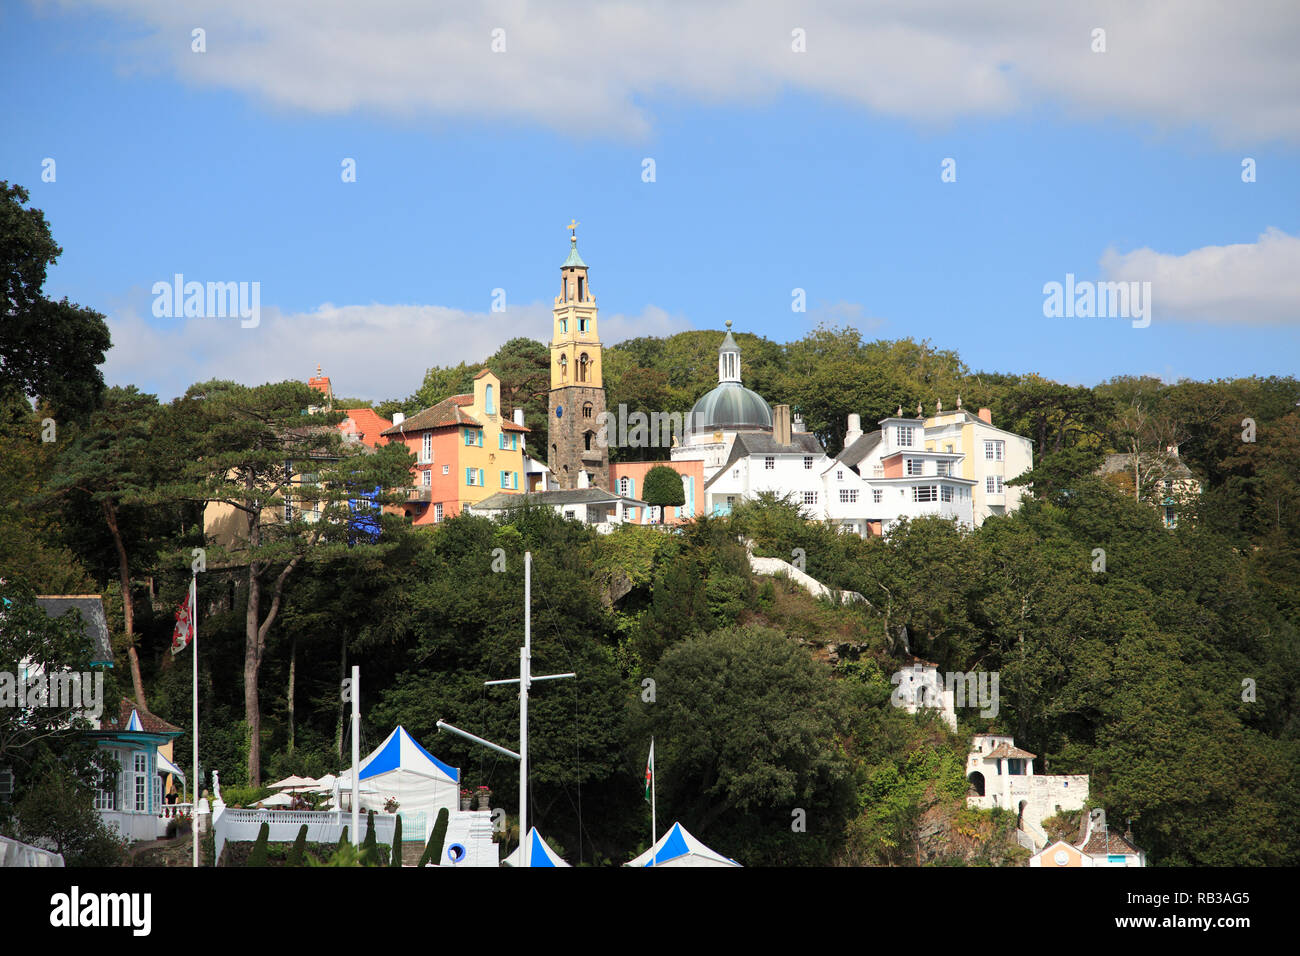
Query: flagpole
{"points": [[654, 780], [194, 655]]}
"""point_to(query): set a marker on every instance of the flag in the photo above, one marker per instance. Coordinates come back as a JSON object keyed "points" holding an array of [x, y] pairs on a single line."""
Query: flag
{"points": [[184, 631], [650, 771]]}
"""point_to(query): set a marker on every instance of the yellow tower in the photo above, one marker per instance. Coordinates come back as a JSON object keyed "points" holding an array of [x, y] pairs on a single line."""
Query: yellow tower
{"points": [[577, 388]]}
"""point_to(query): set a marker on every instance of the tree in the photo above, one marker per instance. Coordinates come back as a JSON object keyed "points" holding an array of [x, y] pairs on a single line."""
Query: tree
{"points": [[296, 854], [259, 854], [745, 729], [113, 463], [663, 489], [432, 855], [395, 855], [369, 848], [58, 811], [288, 479], [47, 349]]}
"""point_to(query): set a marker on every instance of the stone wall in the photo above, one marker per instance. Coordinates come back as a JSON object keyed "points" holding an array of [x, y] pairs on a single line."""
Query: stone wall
{"points": [[568, 454]]}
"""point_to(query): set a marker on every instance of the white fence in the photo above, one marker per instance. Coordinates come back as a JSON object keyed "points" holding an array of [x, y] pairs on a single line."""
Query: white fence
{"points": [[13, 853], [323, 826]]}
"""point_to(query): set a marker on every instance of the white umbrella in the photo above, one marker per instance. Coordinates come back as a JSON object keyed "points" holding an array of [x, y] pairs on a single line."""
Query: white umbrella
{"points": [[294, 783], [276, 800], [325, 784]]}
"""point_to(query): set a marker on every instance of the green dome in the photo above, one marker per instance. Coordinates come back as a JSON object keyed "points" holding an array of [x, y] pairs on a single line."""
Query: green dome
{"points": [[729, 407]]}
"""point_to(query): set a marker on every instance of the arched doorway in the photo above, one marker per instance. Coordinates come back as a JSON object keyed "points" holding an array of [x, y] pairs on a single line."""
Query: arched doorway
{"points": [[977, 782]]}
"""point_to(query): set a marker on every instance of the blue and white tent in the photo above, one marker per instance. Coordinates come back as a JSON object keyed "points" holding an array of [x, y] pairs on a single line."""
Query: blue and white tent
{"points": [[678, 848], [539, 853], [403, 770]]}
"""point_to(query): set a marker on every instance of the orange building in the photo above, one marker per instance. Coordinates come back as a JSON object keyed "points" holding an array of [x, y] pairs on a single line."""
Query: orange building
{"points": [[627, 478], [465, 449]]}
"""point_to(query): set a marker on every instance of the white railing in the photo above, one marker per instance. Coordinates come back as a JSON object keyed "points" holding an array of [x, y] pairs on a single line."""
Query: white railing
{"points": [[323, 826], [169, 810], [13, 853]]}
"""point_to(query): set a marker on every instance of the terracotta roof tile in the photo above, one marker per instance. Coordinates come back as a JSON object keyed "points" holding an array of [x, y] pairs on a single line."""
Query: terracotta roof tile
{"points": [[1009, 752], [152, 723], [445, 414]]}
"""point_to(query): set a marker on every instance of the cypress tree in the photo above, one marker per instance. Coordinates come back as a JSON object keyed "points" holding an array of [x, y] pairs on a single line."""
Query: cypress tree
{"points": [[258, 856], [433, 850], [299, 847], [395, 858]]}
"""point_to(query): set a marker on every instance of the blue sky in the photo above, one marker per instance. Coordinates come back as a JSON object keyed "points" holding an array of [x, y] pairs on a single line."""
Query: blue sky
{"points": [[774, 170]]}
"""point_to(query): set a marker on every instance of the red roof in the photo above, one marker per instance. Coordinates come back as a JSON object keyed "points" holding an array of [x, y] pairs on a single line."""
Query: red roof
{"points": [[446, 413], [486, 371], [151, 723], [369, 425]]}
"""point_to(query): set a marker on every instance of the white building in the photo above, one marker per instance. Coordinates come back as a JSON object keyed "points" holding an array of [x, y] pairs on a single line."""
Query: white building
{"points": [[920, 686], [991, 457], [1002, 775], [901, 477]]}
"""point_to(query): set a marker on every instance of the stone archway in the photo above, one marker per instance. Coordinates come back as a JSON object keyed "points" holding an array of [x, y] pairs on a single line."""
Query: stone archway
{"points": [[977, 782]]}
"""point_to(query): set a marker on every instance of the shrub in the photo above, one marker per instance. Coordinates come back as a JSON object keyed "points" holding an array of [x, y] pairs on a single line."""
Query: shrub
{"points": [[299, 847], [395, 858], [258, 856], [432, 855]]}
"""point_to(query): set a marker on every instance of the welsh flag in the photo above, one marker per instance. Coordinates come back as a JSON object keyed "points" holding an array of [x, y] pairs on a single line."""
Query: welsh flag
{"points": [[184, 630], [650, 770]]}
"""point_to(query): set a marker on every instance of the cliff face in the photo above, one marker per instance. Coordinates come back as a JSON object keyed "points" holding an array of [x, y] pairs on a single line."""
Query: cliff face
{"points": [[952, 834]]}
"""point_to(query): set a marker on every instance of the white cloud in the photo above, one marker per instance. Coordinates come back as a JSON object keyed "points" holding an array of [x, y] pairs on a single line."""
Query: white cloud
{"points": [[1245, 283], [588, 67], [372, 352]]}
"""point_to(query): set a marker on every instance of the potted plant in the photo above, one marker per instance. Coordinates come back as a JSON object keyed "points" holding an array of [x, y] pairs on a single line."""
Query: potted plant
{"points": [[464, 799]]}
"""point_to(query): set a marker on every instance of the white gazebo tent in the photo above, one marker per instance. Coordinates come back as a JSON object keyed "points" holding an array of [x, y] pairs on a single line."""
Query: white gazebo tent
{"points": [[403, 770], [539, 853], [678, 848]]}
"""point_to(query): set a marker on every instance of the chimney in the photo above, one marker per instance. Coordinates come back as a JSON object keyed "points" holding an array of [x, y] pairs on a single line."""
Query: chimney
{"points": [[519, 420], [781, 424], [582, 480], [986, 416], [797, 425], [398, 418], [855, 429]]}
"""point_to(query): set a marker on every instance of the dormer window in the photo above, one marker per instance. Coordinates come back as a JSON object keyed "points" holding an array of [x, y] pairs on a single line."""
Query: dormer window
{"points": [[904, 433]]}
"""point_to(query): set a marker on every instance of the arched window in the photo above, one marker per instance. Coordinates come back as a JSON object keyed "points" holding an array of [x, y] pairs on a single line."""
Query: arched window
{"points": [[564, 326], [586, 410], [487, 400], [586, 440], [564, 366], [622, 486], [584, 364]]}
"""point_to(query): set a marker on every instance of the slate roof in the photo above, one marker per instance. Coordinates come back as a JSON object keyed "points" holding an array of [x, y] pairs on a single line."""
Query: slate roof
{"points": [[859, 448], [1124, 462], [94, 624], [762, 443]]}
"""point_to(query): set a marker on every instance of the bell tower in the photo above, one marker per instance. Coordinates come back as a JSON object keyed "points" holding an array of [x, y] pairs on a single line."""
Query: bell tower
{"points": [[577, 396]]}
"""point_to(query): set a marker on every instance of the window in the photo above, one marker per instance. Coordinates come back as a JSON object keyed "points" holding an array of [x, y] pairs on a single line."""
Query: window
{"points": [[810, 497], [1015, 766], [943, 468], [994, 450], [564, 366], [905, 436], [807, 462], [489, 405], [437, 511], [446, 469], [769, 463], [427, 478], [925, 493], [839, 476], [622, 486], [915, 466], [945, 493], [426, 450], [473, 437], [848, 496], [564, 328], [141, 783], [582, 292], [584, 364], [508, 442], [993, 484], [876, 495], [107, 799], [582, 325], [586, 410], [288, 508], [474, 476]]}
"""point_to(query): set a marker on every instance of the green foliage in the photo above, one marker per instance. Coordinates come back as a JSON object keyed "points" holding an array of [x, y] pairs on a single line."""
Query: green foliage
{"points": [[343, 838], [395, 852], [58, 811], [369, 848], [258, 856], [299, 847], [663, 488], [432, 855]]}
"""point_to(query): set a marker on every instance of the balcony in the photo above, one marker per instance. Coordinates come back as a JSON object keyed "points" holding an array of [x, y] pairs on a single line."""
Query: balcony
{"points": [[422, 495]]}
